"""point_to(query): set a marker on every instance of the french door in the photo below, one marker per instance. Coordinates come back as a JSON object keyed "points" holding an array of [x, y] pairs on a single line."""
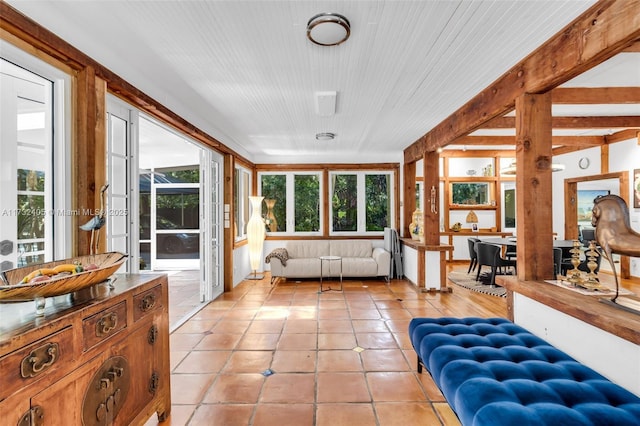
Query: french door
{"points": [[34, 200]]}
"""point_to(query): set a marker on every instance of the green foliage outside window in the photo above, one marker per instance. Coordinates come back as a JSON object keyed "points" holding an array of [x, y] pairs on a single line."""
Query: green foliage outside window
{"points": [[344, 202], [377, 201], [31, 212], [274, 187], [470, 193], [307, 203]]}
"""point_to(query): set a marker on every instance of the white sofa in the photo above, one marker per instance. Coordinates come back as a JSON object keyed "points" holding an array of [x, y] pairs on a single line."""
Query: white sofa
{"points": [[302, 259]]}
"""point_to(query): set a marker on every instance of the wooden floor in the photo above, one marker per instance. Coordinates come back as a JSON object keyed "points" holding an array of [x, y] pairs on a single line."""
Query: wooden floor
{"points": [[290, 355]]}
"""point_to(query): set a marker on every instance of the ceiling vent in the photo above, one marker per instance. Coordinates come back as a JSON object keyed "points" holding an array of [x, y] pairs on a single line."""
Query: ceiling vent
{"points": [[326, 103]]}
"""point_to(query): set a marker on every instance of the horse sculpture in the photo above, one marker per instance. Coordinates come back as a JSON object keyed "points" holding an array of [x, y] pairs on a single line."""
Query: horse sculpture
{"points": [[613, 232]]}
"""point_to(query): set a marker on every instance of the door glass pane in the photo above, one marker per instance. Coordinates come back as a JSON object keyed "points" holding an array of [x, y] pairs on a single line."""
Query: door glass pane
{"points": [[177, 208], [344, 201], [26, 198], [307, 203], [178, 222], [377, 202]]}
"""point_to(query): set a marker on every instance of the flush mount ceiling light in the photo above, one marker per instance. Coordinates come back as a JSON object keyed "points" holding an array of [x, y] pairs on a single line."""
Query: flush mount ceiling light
{"points": [[326, 136], [328, 29]]}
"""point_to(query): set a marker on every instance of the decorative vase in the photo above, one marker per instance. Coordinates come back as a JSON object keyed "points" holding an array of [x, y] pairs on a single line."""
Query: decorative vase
{"points": [[255, 233], [416, 224], [271, 221]]}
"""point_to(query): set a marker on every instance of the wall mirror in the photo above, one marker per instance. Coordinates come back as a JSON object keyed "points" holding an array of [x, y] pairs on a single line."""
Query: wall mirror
{"points": [[471, 194]]}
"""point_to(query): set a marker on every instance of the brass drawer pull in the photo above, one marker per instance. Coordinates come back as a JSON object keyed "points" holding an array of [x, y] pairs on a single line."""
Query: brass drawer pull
{"points": [[39, 360], [106, 324], [33, 417], [148, 302], [152, 336]]}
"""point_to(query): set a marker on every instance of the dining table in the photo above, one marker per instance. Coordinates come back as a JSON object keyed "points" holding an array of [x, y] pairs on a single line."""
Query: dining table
{"points": [[512, 241]]}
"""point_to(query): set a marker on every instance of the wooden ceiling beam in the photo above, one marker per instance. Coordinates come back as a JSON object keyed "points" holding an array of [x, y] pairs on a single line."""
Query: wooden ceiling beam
{"points": [[634, 48], [594, 122], [484, 153], [564, 150], [604, 30], [595, 95], [622, 135], [511, 140]]}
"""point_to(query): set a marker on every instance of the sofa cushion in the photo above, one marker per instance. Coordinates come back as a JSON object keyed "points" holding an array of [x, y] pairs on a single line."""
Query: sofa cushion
{"points": [[351, 248], [359, 267], [308, 249], [303, 268]]}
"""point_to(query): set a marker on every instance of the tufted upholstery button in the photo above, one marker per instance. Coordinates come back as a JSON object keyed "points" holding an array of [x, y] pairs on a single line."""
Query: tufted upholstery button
{"points": [[494, 372]]}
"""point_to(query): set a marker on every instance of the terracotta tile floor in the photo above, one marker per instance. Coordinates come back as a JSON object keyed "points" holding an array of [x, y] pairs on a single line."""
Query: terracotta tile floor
{"points": [[335, 358]]}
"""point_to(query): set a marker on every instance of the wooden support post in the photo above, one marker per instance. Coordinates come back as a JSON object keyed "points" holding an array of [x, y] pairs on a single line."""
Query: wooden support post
{"points": [[533, 187], [409, 196], [88, 155]]}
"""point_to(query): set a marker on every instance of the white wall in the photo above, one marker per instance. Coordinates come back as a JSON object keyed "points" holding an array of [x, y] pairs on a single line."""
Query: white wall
{"points": [[623, 156], [610, 355], [241, 266]]}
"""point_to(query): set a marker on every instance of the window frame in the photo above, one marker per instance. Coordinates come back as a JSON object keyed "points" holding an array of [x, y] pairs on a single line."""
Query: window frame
{"points": [[59, 215], [242, 206], [361, 228], [290, 196]]}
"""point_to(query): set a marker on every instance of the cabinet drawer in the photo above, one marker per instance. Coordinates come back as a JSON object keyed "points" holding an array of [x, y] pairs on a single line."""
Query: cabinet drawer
{"points": [[147, 302], [105, 323], [44, 357]]}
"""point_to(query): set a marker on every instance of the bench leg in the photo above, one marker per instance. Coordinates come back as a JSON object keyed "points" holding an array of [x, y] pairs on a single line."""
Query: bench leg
{"points": [[419, 366]]}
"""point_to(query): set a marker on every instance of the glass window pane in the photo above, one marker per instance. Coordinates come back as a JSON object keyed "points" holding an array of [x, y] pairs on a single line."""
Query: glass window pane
{"points": [[377, 202], [274, 191], [177, 208], [307, 203], [31, 214], [344, 201], [509, 208]]}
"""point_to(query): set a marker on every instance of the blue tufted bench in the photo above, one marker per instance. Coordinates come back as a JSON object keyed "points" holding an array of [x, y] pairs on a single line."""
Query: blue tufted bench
{"points": [[494, 372]]}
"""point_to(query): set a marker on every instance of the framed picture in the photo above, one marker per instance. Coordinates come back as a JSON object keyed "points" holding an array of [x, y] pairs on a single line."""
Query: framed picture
{"points": [[585, 203], [636, 188], [474, 227]]}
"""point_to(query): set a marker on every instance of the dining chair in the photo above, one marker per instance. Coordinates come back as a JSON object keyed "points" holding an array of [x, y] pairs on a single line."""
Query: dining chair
{"points": [[557, 262], [491, 255], [473, 254], [587, 235]]}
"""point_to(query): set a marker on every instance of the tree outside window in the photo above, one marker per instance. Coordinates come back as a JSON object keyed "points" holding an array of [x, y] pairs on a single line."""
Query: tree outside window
{"points": [[377, 202], [294, 195], [344, 202]]}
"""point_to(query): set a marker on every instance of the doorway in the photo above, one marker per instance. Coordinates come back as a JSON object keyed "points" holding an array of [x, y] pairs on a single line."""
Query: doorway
{"points": [[577, 215], [170, 187]]}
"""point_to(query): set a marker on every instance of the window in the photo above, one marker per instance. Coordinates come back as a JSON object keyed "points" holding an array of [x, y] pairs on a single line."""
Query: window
{"points": [[241, 206], [292, 202], [361, 202], [34, 130], [471, 194]]}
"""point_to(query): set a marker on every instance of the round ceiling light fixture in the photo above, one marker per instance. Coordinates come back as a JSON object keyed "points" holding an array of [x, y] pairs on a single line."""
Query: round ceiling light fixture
{"points": [[328, 29], [326, 136]]}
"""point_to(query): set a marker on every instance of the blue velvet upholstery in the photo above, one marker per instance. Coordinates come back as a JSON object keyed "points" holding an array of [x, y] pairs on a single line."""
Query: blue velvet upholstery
{"points": [[494, 372]]}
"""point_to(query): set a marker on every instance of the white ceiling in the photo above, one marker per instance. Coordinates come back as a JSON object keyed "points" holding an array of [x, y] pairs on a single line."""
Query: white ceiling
{"points": [[245, 73]]}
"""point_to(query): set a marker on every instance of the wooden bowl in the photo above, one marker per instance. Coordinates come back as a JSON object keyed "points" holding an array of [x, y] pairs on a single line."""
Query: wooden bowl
{"points": [[12, 290]]}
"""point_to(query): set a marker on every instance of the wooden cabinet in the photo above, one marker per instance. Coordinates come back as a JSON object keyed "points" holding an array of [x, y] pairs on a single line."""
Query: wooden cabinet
{"points": [[96, 358]]}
